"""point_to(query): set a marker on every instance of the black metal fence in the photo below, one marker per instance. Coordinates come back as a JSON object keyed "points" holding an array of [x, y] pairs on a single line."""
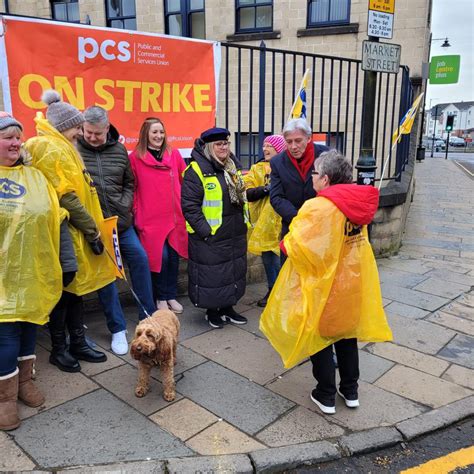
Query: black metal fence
{"points": [[258, 86]]}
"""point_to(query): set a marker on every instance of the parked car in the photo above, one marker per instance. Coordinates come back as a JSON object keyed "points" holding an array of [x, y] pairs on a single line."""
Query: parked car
{"points": [[456, 141]]}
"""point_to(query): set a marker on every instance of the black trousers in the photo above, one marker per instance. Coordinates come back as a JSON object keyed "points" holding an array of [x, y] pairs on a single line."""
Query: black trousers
{"points": [[324, 370]]}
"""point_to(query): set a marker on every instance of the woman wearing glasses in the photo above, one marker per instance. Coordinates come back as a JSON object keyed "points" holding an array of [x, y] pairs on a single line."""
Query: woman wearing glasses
{"points": [[214, 204], [157, 212]]}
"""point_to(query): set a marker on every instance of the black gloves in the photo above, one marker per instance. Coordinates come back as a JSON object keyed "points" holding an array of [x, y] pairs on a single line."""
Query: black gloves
{"points": [[255, 194], [68, 277], [97, 246]]}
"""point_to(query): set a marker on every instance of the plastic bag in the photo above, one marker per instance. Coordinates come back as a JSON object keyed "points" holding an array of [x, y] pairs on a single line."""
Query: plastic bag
{"points": [[327, 290]]}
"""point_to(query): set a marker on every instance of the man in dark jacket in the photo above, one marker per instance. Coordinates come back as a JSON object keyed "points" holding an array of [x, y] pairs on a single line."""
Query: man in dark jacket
{"points": [[290, 178], [107, 162]]}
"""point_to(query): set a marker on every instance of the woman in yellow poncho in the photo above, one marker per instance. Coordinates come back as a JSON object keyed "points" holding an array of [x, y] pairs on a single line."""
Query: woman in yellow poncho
{"points": [[264, 236], [30, 269], [54, 154], [328, 291]]}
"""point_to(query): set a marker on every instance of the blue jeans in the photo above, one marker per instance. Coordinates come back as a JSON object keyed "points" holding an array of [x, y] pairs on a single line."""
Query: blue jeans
{"points": [[271, 263], [165, 283], [137, 261], [17, 339]]}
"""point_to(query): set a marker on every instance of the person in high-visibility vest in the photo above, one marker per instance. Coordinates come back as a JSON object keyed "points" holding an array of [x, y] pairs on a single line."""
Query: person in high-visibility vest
{"points": [[214, 204]]}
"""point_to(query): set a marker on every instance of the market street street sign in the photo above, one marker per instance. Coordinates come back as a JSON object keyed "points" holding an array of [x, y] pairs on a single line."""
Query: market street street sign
{"points": [[381, 57], [380, 21], [445, 69]]}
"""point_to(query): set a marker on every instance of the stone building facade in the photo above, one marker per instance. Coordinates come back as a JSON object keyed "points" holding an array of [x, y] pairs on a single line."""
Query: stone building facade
{"points": [[286, 24], [333, 28]]}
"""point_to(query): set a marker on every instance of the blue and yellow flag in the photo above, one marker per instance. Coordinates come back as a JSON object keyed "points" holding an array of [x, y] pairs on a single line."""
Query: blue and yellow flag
{"points": [[299, 106], [407, 121]]}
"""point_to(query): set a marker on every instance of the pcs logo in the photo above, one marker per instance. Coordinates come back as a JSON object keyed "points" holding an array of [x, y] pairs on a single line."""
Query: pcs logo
{"points": [[110, 50], [10, 190]]}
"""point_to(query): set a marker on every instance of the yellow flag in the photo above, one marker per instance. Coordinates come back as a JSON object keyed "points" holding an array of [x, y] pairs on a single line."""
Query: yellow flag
{"points": [[407, 121], [299, 107]]}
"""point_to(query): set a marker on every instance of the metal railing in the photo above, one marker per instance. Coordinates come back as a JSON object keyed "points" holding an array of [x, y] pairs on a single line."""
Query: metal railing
{"points": [[258, 87]]}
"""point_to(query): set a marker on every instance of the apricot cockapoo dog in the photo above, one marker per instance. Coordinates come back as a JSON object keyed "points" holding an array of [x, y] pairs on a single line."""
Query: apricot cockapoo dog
{"points": [[155, 343]]}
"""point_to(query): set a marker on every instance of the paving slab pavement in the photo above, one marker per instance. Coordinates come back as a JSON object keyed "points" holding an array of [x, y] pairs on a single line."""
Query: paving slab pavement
{"points": [[238, 410]]}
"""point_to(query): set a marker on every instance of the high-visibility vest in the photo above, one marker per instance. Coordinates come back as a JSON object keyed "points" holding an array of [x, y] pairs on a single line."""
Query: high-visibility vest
{"points": [[212, 203]]}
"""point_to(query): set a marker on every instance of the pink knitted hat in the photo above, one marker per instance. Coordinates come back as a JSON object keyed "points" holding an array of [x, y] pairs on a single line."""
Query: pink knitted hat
{"points": [[276, 141]]}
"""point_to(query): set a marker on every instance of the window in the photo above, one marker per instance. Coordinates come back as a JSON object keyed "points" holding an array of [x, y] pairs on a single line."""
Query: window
{"points": [[185, 18], [328, 12], [121, 14], [254, 16], [65, 11]]}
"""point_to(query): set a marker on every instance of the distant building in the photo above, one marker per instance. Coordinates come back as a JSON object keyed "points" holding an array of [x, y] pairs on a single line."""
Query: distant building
{"points": [[463, 119]]}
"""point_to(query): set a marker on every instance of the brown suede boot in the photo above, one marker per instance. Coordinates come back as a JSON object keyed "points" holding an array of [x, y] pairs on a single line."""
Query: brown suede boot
{"points": [[28, 392], [8, 396]]}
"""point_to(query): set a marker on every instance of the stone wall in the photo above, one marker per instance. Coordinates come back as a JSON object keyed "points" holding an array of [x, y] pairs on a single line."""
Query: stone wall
{"points": [[395, 199]]}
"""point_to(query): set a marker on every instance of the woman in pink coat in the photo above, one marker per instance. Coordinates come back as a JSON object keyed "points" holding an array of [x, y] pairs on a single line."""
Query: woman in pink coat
{"points": [[157, 209]]}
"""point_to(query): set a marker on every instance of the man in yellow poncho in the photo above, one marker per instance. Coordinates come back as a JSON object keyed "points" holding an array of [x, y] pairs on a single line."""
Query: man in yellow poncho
{"points": [[54, 154], [264, 236], [328, 291]]}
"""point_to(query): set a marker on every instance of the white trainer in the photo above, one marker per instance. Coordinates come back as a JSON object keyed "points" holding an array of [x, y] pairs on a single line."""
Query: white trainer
{"points": [[350, 402], [161, 304], [119, 344], [328, 410], [175, 306]]}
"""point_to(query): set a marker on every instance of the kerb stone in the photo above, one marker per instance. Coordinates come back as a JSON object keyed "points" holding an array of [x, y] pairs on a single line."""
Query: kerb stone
{"points": [[290, 457], [436, 419], [221, 464], [140, 467], [365, 441]]}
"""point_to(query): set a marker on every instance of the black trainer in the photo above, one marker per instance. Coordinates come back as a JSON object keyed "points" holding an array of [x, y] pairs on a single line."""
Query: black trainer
{"points": [[351, 401], [229, 314], [329, 408], [214, 319]]}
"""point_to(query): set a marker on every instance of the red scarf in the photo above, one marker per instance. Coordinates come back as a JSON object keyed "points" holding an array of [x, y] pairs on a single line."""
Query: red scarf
{"points": [[304, 164]]}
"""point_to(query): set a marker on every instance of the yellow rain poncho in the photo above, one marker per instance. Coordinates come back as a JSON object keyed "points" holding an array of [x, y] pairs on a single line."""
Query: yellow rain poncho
{"points": [[30, 272], [264, 236], [59, 161], [328, 289]]}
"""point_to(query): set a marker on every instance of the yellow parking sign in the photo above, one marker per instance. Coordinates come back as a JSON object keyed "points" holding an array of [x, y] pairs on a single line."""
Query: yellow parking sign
{"points": [[385, 6]]}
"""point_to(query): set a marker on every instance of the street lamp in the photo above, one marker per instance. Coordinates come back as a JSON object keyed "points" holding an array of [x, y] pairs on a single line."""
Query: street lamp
{"points": [[444, 40]]}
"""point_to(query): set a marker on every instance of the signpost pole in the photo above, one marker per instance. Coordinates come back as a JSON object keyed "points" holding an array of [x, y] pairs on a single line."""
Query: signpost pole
{"points": [[375, 58], [366, 165], [434, 129]]}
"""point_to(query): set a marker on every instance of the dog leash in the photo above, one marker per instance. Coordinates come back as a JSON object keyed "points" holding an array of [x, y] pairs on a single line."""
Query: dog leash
{"points": [[124, 277]]}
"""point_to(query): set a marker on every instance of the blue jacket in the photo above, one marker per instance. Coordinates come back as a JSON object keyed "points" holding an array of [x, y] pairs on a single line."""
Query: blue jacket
{"points": [[288, 192]]}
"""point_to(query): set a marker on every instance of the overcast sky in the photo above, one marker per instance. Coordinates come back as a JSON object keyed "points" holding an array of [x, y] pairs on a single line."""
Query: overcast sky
{"points": [[453, 19]]}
